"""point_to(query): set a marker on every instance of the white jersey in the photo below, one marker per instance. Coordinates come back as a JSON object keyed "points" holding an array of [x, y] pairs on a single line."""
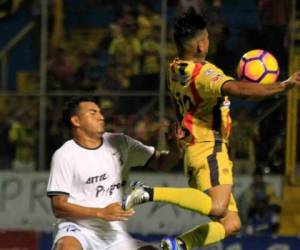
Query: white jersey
{"points": [[95, 177]]}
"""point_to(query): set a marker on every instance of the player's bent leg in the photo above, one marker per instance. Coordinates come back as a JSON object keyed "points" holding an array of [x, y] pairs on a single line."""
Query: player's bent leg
{"points": [[188, 198], [68, 243], [214, 231], [203, 235]]}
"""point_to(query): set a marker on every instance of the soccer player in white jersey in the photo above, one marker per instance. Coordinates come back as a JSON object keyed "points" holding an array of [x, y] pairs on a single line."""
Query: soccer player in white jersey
{"points": [[86, 179]]}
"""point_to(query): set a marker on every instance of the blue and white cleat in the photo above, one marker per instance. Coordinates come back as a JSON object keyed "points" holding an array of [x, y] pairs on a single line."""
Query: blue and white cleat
{"points": [[171, 243], [135, 196]]}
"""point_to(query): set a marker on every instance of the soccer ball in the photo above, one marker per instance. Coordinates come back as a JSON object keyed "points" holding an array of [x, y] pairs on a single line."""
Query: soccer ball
{"points": [[258, 66]]}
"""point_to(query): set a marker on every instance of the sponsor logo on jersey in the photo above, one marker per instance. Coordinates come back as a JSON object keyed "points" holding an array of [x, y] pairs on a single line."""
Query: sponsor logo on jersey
{"points": [[209, 72], [217, 77], [97, 178], [225, 171], [108, 191], [71, 228]]}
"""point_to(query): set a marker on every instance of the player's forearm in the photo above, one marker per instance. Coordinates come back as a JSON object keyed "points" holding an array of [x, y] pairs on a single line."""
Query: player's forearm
{"points": [[168, 160], [249, 90], [165, 160], [112, 212], [68, 210]]}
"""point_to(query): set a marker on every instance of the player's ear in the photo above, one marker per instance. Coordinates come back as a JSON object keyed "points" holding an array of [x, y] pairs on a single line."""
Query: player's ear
{"points": [[75, 121], [198, 48]]}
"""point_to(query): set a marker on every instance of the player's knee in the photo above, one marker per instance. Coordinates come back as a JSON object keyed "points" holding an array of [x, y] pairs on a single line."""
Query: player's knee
{"points": [[232, 226], [67, 243]]}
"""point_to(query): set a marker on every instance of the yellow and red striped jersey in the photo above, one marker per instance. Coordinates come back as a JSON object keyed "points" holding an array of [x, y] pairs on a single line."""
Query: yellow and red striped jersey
{"points": [[201, 109]]}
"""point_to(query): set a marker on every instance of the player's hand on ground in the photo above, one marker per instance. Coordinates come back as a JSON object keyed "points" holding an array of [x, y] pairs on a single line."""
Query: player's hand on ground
{"points": [[114, 212], [293, 80]]}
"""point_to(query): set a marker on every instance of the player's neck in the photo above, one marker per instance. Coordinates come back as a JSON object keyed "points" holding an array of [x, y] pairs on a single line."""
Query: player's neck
{"points": [[88, 142], [191, 57]]}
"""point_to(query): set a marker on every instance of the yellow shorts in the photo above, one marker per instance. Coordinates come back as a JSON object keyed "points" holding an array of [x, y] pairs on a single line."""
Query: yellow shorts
{"points": [[207, 165]]}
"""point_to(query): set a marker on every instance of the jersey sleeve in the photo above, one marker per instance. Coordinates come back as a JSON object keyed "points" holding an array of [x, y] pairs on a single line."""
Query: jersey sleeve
{"points": [[60, 178], [210, 80], [138, 153]]}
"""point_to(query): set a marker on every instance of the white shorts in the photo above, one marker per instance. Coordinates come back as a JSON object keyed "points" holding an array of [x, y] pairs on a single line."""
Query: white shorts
{"points": [[90, 241]]}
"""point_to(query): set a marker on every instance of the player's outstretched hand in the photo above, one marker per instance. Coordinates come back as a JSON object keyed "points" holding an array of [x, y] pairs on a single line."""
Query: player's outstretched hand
{"points": [[114, 212], [173, 135], [293, 80]]}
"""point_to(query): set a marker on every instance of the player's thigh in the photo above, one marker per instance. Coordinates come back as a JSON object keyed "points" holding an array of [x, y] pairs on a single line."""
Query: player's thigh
{"points": [[220, 196], [68, 243], [207, 165], [223, 199]]}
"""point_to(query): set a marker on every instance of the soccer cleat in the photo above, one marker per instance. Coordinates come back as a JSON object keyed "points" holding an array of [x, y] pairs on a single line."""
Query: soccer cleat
{"points": [[135, 196], [171, 243]]}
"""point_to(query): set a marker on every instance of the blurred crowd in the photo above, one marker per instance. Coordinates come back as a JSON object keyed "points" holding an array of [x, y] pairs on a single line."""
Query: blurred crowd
{"points": [[259, 206]]}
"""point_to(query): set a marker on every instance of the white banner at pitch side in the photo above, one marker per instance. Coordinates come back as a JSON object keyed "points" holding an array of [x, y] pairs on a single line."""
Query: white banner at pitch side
{"points": [[25, 206]]}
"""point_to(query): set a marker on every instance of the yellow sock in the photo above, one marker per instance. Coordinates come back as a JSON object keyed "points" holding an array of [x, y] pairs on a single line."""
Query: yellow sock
{"points": [[188, 198], [203, 235]]}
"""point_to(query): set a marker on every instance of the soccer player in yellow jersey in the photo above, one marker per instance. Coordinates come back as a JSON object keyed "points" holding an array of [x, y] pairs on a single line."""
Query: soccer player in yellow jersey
{"points": [[200, 91]]}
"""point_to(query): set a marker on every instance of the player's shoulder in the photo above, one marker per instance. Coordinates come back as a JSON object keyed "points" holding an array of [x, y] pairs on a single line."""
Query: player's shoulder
{"points": [[190, 66], [111, 136], [65, 150], [66, 146], [117, 142], [211, 71], [119, 139], [114, 139], [179, 64], [209, 66]]}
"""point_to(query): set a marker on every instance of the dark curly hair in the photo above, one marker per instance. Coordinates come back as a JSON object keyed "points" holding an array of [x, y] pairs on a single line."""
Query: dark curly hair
{"points": [[71, 107], [186, 26]]}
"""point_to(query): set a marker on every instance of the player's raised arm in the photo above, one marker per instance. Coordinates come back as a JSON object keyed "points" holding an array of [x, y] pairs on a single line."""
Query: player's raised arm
{"points": [[166, 159], [249, 90]]}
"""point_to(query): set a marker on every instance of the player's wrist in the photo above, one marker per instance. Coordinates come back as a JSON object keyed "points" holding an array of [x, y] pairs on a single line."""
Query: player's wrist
{"points": [[99, 213], [287, 84]]}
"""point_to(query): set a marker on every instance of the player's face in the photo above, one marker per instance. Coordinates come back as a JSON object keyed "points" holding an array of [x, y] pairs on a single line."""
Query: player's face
{"points": [[90, 118], [203, 42]]}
